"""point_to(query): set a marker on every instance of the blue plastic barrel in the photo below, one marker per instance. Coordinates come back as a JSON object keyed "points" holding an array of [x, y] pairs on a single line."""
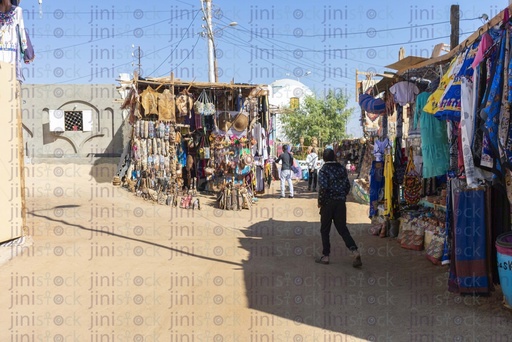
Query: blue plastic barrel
{"points": [[504, 254]]}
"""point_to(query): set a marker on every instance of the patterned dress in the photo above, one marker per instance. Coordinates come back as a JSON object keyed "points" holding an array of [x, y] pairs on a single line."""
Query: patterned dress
{"points": [[13, 40]]}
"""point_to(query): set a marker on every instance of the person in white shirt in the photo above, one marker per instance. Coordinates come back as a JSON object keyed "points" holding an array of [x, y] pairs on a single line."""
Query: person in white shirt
{"points": [[312, 161]]}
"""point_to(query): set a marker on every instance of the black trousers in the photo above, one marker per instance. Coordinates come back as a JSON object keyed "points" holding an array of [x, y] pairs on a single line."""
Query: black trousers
{"points": [[335, 211], [312, 179]]}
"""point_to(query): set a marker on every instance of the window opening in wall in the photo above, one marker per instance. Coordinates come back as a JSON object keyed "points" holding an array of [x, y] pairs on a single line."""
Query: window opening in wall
{"points": [[73, 120]]}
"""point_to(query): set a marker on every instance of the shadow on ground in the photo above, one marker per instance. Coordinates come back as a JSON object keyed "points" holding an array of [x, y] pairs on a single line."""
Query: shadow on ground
{"points": [[397, 295]]}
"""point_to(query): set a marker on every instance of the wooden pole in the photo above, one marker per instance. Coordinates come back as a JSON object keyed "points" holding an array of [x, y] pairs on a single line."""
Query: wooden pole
{"points": [[21, 158], [454, 23]]}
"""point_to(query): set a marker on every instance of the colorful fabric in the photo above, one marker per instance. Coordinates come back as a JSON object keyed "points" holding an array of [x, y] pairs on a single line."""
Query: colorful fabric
{"points": [[506, 137], [379, 148], [449, 107], [388, 185], [434, 140], [372, 105], [491, 112], [435, 98], [470, 272], [485, 43], [376, 186]]}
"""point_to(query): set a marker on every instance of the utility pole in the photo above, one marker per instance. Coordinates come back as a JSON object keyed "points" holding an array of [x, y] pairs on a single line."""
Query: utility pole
{"points": [[454, 23], [212, 61]]}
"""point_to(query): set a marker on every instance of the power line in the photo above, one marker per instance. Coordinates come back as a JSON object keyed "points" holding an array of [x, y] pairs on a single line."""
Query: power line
{"points": [[114, 36], [370, 30], [178, 44], [184, 59]]}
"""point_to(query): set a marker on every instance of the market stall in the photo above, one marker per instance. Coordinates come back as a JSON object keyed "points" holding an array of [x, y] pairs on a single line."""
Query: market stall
{"points": [[190, 136], [444, 178]]}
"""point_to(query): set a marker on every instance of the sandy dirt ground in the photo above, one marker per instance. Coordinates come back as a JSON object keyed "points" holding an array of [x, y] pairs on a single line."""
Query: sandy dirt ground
{"points": [[103, 265]]}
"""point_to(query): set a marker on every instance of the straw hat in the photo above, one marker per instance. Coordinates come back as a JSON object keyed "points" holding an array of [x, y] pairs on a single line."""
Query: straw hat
{"points": [[224, 121], [247, 159], [241, 122]]}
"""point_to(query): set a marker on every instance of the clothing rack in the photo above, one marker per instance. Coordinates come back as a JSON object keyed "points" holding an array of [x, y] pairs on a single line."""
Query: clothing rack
{"points": [[467, 42]]}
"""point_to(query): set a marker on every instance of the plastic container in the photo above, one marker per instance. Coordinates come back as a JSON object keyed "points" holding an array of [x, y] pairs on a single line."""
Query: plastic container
{"points": [[305, 174], [504, 254]]}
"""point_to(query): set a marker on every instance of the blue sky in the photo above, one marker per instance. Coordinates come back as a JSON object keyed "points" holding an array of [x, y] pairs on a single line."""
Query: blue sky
{"points": [[321, 43]]}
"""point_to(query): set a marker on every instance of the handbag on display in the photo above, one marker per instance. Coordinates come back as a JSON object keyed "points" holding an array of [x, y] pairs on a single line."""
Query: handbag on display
{"points": [[204, 105]]}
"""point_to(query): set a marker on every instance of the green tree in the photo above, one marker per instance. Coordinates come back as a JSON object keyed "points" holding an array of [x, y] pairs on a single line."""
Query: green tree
{"points": [[326, 119]]}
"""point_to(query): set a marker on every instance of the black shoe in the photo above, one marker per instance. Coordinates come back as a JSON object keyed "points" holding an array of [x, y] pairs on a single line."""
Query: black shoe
{"points": [[290, 196], [281, 196], [357, 260]]}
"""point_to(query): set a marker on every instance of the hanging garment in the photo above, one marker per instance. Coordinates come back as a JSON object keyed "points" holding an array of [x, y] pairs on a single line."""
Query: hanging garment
{"points": [[505, 126], [388, 185], [149, 101], [469, 272], [432, 105], [399, 164], [453, 142], [491, 112], [412, 182], [379, 148], [434, 141], [485, 43], [404, 92], [376, 186], [399, 121], [390, 103], [371, 104], [447, 248], [450, 102], [166, 106], [13, 39], [467, 123]]}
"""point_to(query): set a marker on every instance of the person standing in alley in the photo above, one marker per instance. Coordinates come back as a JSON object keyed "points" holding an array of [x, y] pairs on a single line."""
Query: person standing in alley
{"points": [[286, 160], [312, 160], [334, 187]]}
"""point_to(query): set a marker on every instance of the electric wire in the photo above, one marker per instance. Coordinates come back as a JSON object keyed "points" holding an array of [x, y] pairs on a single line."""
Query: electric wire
{"points": [[373, 31], [178, 44], [184, 59], [102, 38]]}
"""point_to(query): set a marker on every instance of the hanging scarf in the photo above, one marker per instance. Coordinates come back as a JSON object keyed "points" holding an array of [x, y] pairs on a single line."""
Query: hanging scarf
{"points": [[507, 141], [491, 112]]}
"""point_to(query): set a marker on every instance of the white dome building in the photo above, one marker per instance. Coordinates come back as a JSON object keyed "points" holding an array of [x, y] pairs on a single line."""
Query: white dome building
{"points": [[280, 94]]}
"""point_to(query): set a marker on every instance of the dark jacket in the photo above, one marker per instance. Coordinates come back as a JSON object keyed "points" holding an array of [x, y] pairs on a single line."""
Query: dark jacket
{"points": [[333, 183], [287, 160]]}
